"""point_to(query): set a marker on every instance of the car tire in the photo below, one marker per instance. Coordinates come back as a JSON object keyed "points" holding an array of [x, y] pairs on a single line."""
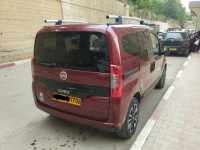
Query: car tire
{"points": [[131, 121], [161, 83]]}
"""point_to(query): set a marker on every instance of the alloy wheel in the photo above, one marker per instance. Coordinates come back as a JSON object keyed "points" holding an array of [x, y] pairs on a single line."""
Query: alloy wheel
{"points": [[133, 118]]}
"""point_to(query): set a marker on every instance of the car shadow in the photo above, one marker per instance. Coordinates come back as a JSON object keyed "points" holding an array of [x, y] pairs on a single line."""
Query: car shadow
{"points": [[58, 133], [175, 55]]}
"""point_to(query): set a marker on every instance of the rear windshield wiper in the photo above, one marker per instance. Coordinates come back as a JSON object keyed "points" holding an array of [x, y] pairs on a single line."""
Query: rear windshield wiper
{"points": [[47, 64]]}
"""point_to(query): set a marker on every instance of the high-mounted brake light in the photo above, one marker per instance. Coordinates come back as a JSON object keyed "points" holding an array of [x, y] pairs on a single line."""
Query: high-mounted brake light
{"points": [[185, 42], [116, 79], [33, 69]]}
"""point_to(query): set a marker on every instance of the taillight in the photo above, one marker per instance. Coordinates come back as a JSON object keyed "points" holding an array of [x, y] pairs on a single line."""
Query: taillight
{"points": [[116, 79], [185, 42], [33, 69], [161, 42]]}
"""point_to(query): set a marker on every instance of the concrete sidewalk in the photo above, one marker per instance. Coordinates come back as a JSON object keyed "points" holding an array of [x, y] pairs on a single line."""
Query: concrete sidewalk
{"points": [[177, 126]]}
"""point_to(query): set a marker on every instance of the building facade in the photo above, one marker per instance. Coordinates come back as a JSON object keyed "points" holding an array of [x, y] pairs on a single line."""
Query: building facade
{"points": [[195, 9]]}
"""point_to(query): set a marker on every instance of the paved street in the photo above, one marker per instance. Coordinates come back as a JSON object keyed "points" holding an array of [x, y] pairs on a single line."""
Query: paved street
{"points": [[25, 127]]}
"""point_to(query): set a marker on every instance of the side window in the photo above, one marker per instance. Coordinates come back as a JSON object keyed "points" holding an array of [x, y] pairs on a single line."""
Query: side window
{"points": [[130, 44], [144, 46], [155, 43]]}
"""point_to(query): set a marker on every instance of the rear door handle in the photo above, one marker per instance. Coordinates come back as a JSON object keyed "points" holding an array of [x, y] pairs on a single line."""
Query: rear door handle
{"points": [[152, 66]]}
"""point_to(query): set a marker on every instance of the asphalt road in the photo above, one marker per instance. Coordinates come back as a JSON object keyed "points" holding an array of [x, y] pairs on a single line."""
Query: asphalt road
{"points": [[24, 127]]}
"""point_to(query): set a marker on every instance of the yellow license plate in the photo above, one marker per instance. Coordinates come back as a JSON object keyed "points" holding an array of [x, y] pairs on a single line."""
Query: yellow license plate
{"points": [[172, 49], [67, 99]]}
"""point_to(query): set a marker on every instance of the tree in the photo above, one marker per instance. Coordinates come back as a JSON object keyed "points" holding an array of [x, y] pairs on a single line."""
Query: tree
{"points": [[174, 10], [170, 9]]}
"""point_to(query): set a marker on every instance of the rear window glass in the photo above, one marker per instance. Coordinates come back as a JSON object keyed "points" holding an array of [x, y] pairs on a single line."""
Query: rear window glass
{"points": [[86, 51], [173, 35]]}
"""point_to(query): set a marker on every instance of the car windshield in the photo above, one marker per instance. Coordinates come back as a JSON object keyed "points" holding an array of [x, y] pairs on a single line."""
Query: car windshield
{"points": [[86, 51], [173, 35]]}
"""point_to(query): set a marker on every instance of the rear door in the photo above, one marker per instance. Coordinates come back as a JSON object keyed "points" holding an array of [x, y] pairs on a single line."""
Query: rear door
{"points": [[72, 71], [146, 60], [158, 59]]}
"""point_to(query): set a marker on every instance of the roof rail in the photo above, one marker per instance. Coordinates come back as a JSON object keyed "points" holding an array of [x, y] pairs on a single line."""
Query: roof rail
{"points": [[118, 19], [59, 22]]}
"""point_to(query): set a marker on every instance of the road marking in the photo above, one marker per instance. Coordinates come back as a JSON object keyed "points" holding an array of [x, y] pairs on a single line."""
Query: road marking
{"points": [[185, 64], [168, 93], [137, 145], [179, 74]]}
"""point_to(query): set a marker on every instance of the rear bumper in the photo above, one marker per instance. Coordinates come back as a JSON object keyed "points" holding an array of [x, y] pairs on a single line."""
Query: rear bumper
{"points": [[96, 124], [113, 123], [179, 49]]}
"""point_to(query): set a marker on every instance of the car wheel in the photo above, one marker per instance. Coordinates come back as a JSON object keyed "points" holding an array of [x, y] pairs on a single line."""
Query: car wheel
{"points": [[131, 120], [161, 83]]}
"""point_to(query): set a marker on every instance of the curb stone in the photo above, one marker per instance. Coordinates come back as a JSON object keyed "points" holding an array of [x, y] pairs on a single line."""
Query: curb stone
{"points": [[8, 64]]}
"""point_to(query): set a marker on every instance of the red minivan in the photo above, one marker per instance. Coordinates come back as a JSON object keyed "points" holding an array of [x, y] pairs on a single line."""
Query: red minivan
{"points": [[96, 74]]}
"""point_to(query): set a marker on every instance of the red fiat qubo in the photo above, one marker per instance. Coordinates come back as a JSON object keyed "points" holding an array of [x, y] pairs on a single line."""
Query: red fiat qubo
{"points": [[96, 74]]}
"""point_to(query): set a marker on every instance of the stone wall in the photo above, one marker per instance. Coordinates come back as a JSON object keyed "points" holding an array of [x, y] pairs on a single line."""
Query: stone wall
{"points": [[162, 25], [93, 11], [20, 20]]}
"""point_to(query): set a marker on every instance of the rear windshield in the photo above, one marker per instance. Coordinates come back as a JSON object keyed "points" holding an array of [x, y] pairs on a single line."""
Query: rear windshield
{"points": [[85, 51], [174, 35]]}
